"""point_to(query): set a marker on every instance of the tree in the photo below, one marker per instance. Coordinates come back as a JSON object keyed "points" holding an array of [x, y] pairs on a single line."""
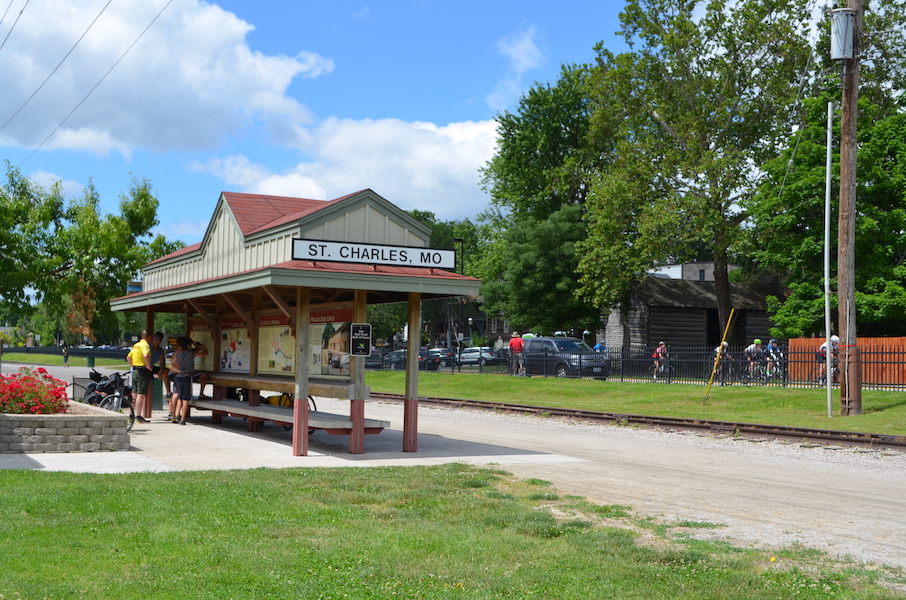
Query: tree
{"points": [[538, 291], [538, 181], [788, 232], [74, 257], [704, 102]]}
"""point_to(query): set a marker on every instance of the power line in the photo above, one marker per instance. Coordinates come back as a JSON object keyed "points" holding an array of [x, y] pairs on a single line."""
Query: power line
{"points": [[14, 23], [8, 6], [98, 83], [2, 127]]}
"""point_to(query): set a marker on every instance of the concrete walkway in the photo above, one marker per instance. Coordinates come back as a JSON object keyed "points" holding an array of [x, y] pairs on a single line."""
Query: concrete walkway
{"points": [[199, 445]]}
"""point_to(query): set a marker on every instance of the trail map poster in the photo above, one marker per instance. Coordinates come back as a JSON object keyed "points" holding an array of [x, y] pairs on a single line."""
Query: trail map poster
{"points": [[276, 346], [235, 348]]}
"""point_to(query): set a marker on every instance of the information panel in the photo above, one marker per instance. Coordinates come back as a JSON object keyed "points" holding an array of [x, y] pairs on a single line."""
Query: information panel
{"points": [[201, 333], [276, 345], [235, 349]]}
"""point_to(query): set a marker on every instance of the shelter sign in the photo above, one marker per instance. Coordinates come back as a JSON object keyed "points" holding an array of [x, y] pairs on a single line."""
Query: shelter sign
{"points": [[373, 254], [360, 339]]}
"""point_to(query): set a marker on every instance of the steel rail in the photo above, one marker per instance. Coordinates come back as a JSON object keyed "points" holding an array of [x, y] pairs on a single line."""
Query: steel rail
{"points": [[755, 430]]}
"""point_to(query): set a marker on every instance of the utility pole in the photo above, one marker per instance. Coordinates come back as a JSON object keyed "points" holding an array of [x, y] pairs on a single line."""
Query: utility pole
{"points": [[851, 366]]}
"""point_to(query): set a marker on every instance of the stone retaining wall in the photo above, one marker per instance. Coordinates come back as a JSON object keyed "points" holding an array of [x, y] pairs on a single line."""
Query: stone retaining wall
{"points": [[96, 431]]}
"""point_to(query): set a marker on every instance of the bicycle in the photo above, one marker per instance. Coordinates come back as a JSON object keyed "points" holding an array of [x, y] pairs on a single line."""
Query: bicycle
{"points": [[725, 373], [660, 370], [817, 377], [288, 401], [115, 395]]}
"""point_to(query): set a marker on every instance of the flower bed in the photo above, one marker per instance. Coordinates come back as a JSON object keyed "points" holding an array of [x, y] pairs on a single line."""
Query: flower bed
{"points": [[95, 431], [32, 392], [35, 417]]}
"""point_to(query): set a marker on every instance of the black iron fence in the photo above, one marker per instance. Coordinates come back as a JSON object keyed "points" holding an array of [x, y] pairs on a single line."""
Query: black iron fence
{"points": [[881, 369]]}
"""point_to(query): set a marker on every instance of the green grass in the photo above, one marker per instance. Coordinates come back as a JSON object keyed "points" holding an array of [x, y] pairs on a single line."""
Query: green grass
{"points": [[450, 531], [883, 412], [57, 360]]}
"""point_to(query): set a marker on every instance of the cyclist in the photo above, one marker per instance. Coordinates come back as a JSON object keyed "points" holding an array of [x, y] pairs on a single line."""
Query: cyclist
{"points": [[821, 357], [722, 358], [774, 356], [755, 355], [660, 356]]}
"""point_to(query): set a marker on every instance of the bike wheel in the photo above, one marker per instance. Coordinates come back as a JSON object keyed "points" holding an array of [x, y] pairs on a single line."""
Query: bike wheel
{"points": [[112, 402]]}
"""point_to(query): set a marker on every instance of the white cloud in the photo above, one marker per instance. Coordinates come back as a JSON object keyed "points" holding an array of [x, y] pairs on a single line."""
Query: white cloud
{"points": [[523, 54], [413, 165], [189, 81], [47, 180]]}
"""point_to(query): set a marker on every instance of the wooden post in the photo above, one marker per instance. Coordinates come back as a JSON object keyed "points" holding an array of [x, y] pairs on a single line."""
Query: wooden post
{"points": [[410, 403], [303, 355], [357, 367], [850, 396]]}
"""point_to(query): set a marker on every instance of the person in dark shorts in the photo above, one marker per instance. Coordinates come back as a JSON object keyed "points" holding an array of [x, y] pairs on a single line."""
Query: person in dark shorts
{"points": [[182, 365], [140, 359]]}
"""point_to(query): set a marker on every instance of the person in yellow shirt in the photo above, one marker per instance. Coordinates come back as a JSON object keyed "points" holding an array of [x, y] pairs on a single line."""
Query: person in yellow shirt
{"points": [[139, 357]]}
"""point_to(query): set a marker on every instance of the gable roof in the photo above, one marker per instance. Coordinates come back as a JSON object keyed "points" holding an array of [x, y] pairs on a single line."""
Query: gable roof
{"points": [[256, 212]]}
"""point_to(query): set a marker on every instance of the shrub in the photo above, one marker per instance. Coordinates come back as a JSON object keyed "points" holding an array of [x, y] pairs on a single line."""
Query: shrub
{"points": [[32, 392]]}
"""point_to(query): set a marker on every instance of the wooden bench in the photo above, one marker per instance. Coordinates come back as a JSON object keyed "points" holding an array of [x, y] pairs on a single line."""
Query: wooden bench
{"points": [[282, 385], [331, 423]]}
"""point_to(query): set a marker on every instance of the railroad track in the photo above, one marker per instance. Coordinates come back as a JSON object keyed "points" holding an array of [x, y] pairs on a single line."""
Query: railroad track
{"points": [[803, 434]]}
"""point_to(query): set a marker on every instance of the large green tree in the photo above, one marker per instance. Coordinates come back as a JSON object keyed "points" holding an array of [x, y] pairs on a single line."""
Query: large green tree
{"points": [[539, 289], [69, 254], [538, 180], [705, 99], [788, 224]]}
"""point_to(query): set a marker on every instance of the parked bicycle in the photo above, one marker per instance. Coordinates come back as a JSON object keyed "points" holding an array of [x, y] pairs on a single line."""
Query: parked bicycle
{"points": [[111, 392]]}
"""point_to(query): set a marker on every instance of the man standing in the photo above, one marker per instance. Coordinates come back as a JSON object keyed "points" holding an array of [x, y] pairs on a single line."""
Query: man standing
{"points": [[140, 359], [158, 357], [65, 355], [516, 348]]}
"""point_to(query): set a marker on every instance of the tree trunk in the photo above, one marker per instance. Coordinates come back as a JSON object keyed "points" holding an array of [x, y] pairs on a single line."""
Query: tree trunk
{"points": [[722, 285]]}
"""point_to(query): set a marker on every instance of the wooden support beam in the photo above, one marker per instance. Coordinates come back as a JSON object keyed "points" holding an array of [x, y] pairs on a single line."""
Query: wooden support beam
{"points": [[234, 304], [357, 367], [202, 312], [284, 307], [410, 403], [303, 355]]}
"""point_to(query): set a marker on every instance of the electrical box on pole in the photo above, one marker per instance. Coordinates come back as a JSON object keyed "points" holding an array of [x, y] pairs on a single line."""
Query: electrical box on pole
{"points": [[843, 26]]}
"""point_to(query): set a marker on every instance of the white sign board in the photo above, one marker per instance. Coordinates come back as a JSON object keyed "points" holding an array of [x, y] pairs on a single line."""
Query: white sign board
{"points": [[373, 254]]}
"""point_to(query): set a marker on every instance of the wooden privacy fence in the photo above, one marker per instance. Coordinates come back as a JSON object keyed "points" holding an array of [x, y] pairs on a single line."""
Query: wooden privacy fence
{"points": [[883, 360]]}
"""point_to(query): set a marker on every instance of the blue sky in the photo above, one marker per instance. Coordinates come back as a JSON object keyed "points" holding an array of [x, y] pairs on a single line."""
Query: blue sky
{"points": [[294, 98]]}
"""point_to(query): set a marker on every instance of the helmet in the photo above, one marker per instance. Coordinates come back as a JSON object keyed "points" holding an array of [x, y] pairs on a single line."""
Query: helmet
{"points": [[757, 341], [835, 339], [773, 341], [725, 344]]}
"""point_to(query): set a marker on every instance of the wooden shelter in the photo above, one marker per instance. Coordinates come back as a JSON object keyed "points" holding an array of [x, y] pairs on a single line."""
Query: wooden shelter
{"points": [[276, 323]]}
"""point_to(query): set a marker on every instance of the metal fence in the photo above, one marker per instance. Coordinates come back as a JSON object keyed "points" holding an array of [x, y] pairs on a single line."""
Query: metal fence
{"points": [[883, 368]]}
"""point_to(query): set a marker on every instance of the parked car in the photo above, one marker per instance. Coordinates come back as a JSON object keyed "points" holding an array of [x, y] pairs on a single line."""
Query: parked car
{"points": [[397, 357], [563, 357], [426, 362], [375, 360], [478, 356], [445, 355]]}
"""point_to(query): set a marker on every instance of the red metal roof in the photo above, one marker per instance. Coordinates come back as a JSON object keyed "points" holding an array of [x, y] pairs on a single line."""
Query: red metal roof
{"points": [[256, 212]]}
